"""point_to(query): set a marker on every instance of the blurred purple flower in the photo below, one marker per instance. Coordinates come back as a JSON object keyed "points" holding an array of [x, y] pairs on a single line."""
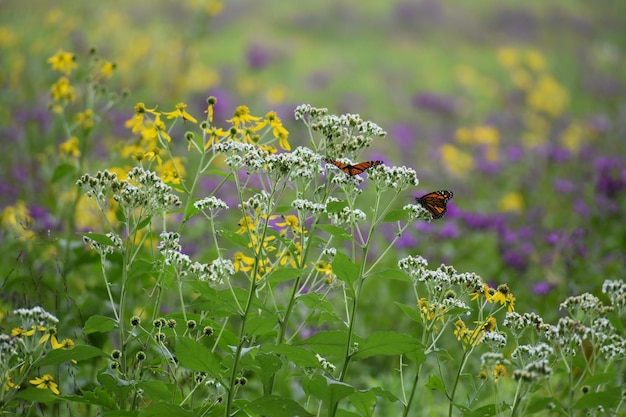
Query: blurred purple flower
{"points": [[554, 153], [553, 238], [478, 221], [257, 56], [581, 207], [611, 177], [434, 102], [562, 186], [515, 259], [404, 136], [41, 216], [542, 288], [515, 153], [488, 167], [599, 123], [449, 231]]}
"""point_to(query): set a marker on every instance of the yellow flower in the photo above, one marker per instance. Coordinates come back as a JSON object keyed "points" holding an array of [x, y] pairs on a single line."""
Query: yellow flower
{"points": [[180, 112], [11, 385], [535, 60], [458, 162], [498, 372], [70, 147], [214, 136], [136, 122], [242, 116], [86, 119], [171, 171], [107, 68], [278, 130], [292, 223], [62, 90], [508, 57], [327, 269], [460, 331], [46, 382], [242, 262], [65, 344], [152, 130], [511, 202], [63, 61], [16, 218], [573, 138]]}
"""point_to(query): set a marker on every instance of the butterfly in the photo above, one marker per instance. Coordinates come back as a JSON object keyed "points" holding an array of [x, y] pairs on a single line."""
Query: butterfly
{"points": [[352, 170], [435, 202]]}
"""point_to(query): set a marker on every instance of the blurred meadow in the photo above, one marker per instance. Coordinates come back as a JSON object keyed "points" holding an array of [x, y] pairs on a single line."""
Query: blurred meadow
{"points": [[519, 108]]}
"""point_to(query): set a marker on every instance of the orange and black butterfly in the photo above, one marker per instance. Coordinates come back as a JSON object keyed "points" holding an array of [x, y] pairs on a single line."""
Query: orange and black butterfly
{"points": [[435, 202], [352, 170]]}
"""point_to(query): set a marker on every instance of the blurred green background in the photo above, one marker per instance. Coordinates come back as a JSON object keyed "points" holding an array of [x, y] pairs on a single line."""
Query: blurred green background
{"points": [[518, 107]]}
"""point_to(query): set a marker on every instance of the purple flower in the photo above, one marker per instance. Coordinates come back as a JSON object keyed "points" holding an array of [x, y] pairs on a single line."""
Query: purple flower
{"points": [[257, 57], [562, 186], [448, 231], [436, 103], [542, 288], [404, 136], [515, 153]]}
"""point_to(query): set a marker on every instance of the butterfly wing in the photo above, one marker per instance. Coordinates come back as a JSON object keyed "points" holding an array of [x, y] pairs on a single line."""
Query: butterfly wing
{"points": [[436, 202], [352, 170]]}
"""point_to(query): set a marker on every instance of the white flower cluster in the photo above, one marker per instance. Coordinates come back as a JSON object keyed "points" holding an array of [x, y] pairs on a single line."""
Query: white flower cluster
{"points": [[216, 272], [104, 250], [347, 216], [213, 204], [417, 212], [495, 340], [395, 178], [97, 186], [307, 206], [518, 322], [306, 110], [525, 353], [35, 316], [616, 291], [534, 371], [8, 349], [257, 203], [413, 266], [347, 133], [585, 302], [327, 366]]}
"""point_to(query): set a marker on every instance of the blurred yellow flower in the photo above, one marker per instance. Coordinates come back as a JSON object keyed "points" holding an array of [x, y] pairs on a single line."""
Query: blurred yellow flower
{"points": [[63, 61], [456, 161], [16, 218], [171, 171], [511, 202], [535, 60], [548, 96], [242, 116], [62, 90], [70, 147], [85, 119], [572, 138], [508, 57], [135, 123]]}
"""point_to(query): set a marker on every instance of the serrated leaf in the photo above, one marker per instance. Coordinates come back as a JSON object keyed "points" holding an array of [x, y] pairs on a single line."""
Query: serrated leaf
{"points": [[387, 343], [164, 409], [434, 383], [99, 238], [396, 215], [395, 274], [276, 406], [318, 303], [79, 353], [37, 395], [345, 270], [193, 355], [99, 324], [96, 397], [483, 411]]}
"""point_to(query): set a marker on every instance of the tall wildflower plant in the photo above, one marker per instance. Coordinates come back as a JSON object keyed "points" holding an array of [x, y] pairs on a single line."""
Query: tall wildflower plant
{"points": [[269, 319]]}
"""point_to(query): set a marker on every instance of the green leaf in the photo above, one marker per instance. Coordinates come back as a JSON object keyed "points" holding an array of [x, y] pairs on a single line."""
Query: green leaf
{"points": [[387, 343], [329, 343], [410, 311], [96, 397], [262, 325], [434, 383], [600, 379], [236, 239], [383, 393], [191, 210], [336, 206], [326, 389], [79, 353], [321, 306], [607, 399], [275, 406], [62, 171], [483, 411], [390, 274], [396, 215], [121, 413], [345, 270], [542, 404], [99, 324], [157, 390], [299, 356], [283, 274], [364, 402], [335, 231], [269, 364], [165, 409], [99, 238], [37, 395], [193, 355]]}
